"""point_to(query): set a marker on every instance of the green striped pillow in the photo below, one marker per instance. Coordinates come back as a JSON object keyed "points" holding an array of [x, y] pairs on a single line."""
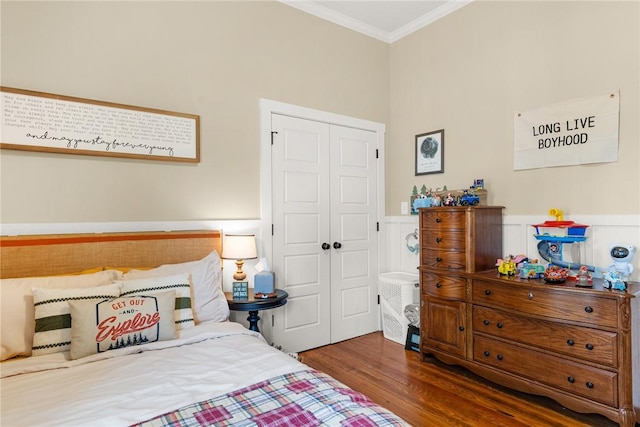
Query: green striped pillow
{"points": [[53, 318], [121, 322], [180, 283]]}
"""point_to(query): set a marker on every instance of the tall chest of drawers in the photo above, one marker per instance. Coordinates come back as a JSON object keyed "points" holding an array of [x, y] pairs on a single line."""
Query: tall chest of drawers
{"points": [[577, 346], [454, 241]]}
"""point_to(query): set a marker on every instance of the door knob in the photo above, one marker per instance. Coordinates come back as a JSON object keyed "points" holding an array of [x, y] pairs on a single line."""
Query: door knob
{"points": [[326, 246], [337, 245]]}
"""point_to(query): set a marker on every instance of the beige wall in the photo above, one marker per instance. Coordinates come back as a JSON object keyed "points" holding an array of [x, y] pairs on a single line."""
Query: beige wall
{"points": [[214, 59], [470, 71], [466, 73]]}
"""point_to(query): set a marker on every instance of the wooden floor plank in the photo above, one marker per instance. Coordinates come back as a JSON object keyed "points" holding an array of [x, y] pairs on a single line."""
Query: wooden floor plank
{"points": [[431, 393]]}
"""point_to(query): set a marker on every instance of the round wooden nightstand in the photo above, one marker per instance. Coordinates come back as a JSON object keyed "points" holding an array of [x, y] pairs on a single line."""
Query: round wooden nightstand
{"points": [[254, 305]]}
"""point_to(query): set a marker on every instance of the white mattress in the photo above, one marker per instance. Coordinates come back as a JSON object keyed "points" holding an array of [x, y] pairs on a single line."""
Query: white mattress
{"points": [[134, 384]]}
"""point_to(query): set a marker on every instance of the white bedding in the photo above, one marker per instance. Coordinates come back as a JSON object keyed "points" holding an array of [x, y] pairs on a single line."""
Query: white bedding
{"points": [[133, 384]]}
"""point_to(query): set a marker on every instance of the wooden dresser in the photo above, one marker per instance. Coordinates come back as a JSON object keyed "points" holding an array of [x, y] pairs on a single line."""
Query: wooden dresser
{"points": [[571, 344], [454, 241]]}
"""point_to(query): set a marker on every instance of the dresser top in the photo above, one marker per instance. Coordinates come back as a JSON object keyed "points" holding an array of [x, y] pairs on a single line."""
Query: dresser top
{"points": [[633, 288], [463, 208]]}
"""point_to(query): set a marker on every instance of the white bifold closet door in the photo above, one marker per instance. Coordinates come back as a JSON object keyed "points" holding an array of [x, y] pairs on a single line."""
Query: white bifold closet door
{"points": [[325, 231]]}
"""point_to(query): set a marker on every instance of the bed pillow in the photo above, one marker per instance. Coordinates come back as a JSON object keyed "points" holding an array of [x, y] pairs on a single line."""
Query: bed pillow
{"points": [[209, 302], [178, 283], [110, 324], [126, 269], [53, 318], [16, 306]]}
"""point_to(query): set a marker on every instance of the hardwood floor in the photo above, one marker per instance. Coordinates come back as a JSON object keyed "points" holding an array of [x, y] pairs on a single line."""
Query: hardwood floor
{"points": [[434, 394]]}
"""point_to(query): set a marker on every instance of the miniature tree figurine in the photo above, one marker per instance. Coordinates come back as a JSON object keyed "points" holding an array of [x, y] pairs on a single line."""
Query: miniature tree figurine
{"points": [[414, 196]]}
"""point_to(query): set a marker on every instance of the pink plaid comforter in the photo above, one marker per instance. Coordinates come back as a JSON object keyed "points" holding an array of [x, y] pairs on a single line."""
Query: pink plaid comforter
{"points": [[305, 398]]}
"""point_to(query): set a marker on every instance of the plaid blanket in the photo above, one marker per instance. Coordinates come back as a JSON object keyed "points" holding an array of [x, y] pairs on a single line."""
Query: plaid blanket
{"points": [[305, 398]]}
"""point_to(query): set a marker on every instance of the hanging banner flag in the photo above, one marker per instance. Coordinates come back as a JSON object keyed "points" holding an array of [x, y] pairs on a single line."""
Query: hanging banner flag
{"points": [[575, 132]]}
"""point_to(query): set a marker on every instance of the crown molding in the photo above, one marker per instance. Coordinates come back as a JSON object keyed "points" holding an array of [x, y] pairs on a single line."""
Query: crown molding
{"points": [[338, 18], [427, 19]]}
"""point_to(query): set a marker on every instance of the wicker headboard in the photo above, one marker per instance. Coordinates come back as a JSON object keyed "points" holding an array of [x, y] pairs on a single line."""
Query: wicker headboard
{"points": [[46, 255]]}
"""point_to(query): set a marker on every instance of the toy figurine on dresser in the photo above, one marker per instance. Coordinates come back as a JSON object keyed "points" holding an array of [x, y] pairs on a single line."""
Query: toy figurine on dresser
{"points": [[613, 280], [583, 278], [622, 257]]}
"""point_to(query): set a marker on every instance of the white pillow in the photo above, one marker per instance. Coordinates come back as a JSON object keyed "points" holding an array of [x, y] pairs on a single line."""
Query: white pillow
{"points": [[97, 327], [178, 283], [16, 306], [53, 318], [209, 302]]}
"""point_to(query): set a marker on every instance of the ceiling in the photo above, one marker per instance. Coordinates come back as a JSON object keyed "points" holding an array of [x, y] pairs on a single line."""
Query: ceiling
{"points": [[388, 20]]}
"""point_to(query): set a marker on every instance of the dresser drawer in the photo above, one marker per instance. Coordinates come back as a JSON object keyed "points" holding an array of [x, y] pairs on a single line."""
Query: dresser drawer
{"points": [[547, 302], [595, 384], [585, 343], [449, 287], [449, 260], [443, 239], [442, 219]]}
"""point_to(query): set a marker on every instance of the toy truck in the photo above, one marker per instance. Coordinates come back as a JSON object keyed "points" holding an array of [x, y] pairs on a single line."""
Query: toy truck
{"points": [[469, 199], [531, 271]]}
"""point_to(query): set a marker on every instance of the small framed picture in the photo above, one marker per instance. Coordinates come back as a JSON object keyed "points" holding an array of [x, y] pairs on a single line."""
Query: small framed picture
{"points": [[240, 290], [430, 152]]}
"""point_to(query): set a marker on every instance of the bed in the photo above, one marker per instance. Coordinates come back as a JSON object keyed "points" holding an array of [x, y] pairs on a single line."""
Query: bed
{"points": [[122, 329]]}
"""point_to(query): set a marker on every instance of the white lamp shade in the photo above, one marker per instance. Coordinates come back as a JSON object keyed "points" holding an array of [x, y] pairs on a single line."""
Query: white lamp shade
{"points": [[239, 246]]}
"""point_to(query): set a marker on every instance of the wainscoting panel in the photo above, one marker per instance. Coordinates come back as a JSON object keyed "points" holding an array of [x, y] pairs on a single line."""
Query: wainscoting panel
{"points": [[399, 231], [518, 238]]}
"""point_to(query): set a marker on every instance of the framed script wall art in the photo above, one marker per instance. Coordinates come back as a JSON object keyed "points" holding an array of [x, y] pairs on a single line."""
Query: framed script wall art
{"points": [[430, 152], [38, 121]]}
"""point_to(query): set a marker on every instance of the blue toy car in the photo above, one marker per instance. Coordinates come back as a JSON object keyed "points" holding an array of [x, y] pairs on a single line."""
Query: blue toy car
{"points": [[469, 199], [613, 280]]}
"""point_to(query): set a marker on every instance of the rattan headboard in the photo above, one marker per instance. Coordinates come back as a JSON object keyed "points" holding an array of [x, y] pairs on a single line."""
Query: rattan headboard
{"points": [[46, 255]]}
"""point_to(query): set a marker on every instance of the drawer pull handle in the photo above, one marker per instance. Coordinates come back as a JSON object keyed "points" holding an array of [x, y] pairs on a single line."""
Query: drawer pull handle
{"points": [[461, 328], [438, 285], [487, 292], [438, 259], [438, 240], [530, 296], [438, 220], [499, 325], [486, 353], [486, 322], [588, 309], [571, 380], [589, 384], [589, 347], [570, 342], [499, 357]]}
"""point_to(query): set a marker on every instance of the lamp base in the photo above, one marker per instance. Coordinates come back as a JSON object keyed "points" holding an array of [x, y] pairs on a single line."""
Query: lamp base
{"points": [[239, 275]]}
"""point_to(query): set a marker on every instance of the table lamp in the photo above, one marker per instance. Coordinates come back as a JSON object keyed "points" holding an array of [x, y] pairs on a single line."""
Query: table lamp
{"points": [[239, 247]]}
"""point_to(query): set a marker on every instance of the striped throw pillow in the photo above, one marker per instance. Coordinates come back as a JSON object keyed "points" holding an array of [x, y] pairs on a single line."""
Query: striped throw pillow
{"points": [[179, 283], [53, 318], [121, 322]]}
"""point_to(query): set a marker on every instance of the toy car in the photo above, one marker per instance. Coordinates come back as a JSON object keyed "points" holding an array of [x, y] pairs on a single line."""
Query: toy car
{"points": [[613, 280], [531, 271], [469, 199], [555, 274], [506, 266]]}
